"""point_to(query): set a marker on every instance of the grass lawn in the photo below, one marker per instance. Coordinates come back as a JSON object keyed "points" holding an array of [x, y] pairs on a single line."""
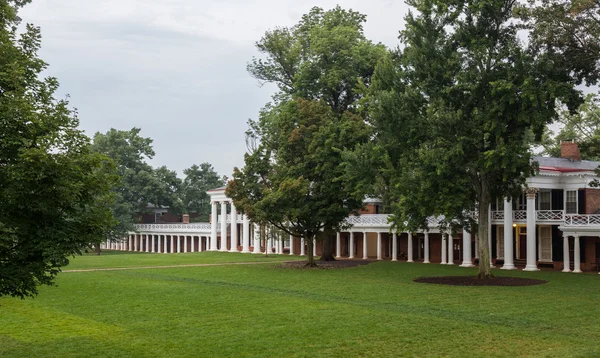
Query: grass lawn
{"points": [[259, 311], [114, 259]]}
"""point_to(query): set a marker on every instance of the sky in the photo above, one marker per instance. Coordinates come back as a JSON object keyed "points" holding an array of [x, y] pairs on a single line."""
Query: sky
{"points": [[176, 68]]}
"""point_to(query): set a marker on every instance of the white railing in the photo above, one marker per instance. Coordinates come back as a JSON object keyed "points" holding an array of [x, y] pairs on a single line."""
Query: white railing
{"points": [[497, 215], [581, 220], [549, 215], [520, 215], [369, 220], [175, 227], [379, 220]]}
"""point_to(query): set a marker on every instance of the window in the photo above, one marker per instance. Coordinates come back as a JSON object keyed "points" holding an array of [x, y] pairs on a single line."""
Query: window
{"points": [[545, 200], [520, 203], [571, 202]]}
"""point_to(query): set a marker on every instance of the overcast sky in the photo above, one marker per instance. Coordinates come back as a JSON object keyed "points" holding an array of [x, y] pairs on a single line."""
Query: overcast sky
{"points": [[176, 68]]}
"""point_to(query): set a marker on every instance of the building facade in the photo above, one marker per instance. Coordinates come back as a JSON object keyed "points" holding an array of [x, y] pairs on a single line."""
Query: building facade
{"points": [[555, 223]]}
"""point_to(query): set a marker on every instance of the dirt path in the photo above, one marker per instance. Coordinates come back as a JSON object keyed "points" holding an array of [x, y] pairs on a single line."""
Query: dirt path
{"points": [[175, 266]]}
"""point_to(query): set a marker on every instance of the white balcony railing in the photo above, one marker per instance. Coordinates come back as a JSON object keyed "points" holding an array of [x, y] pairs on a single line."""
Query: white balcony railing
{"points": [[581, 219], [497, 215], [369, 220], [175, 227], [519, 215], [549, 215]]}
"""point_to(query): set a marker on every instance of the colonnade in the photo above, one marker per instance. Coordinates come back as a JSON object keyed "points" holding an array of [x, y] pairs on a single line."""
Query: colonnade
{"points": [[160, 243]]}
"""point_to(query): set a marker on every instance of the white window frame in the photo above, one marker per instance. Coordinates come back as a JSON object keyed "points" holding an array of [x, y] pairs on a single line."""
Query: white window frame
{"points": [[567, 201], [540, 195]]}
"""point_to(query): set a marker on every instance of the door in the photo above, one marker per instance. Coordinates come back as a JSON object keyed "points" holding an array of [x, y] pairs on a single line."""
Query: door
{"points": [[522, 241]]}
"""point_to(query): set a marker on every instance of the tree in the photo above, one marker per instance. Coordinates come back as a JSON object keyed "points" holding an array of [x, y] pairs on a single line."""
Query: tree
{"points": [[325, 57], [455, 111], [139, 184], [294, 180], [55, 192], [582, 126], [198, 180], [568, 31]]}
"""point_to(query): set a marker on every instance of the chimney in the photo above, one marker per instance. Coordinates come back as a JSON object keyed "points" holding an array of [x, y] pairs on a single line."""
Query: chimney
{"points": [[186, 218], [570, 150]]}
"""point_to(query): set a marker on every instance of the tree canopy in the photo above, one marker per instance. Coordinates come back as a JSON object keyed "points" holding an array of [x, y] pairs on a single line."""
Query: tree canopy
{"points": [[198, 180], [455, 111], [54, 191], [293, 177]]}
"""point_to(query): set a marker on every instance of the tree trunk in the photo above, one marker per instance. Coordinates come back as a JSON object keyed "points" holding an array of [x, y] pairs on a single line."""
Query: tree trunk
{"points": [[266, 240], [310, 247], [485, 270], [327, 254], [97, 248]]}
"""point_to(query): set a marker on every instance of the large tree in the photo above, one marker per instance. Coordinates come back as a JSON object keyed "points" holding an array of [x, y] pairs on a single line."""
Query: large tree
{"points": [[325, 57], [54, 192], [139, 184], [294, 179], [456, 110], [198, 180]]}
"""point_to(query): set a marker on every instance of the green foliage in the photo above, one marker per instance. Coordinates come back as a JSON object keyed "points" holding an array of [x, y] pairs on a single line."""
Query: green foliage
{"points": [[198, 180], [455, 111], [140, 185], [583, 127], [294, 176], [54, 192], [568, 31]]}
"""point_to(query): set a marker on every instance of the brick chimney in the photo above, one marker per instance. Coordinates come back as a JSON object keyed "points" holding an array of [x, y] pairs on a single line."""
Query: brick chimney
{"points": [[570, 150], [185, 218]]}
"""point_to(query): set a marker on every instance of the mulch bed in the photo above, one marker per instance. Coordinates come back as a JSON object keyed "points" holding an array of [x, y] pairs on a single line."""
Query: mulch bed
{"points": [[325, 265], [474, 281]]}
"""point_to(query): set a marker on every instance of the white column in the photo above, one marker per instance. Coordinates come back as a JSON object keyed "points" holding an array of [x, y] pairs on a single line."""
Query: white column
{"points": [[338, 245], [178, 243], [256, 239], [199, 243], [291, 245], [577, 255], [365, 254], [351, 249], [165, 251], [410, 248], [135, 243], [450, 249], [394, 247], [531, 256], [213, 227], [444, 262], [185, 244], [509, 254], [130, 246], [426, 248], [467, 262], [223, 226], [378, 245], [246, 235], [302, 248], [147, 244], [315, 247], [566, 258], [234, 233]]}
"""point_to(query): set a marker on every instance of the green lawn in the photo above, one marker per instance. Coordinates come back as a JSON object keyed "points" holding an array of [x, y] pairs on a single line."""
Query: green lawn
{"points": [[260, 311], [113, 259]]}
